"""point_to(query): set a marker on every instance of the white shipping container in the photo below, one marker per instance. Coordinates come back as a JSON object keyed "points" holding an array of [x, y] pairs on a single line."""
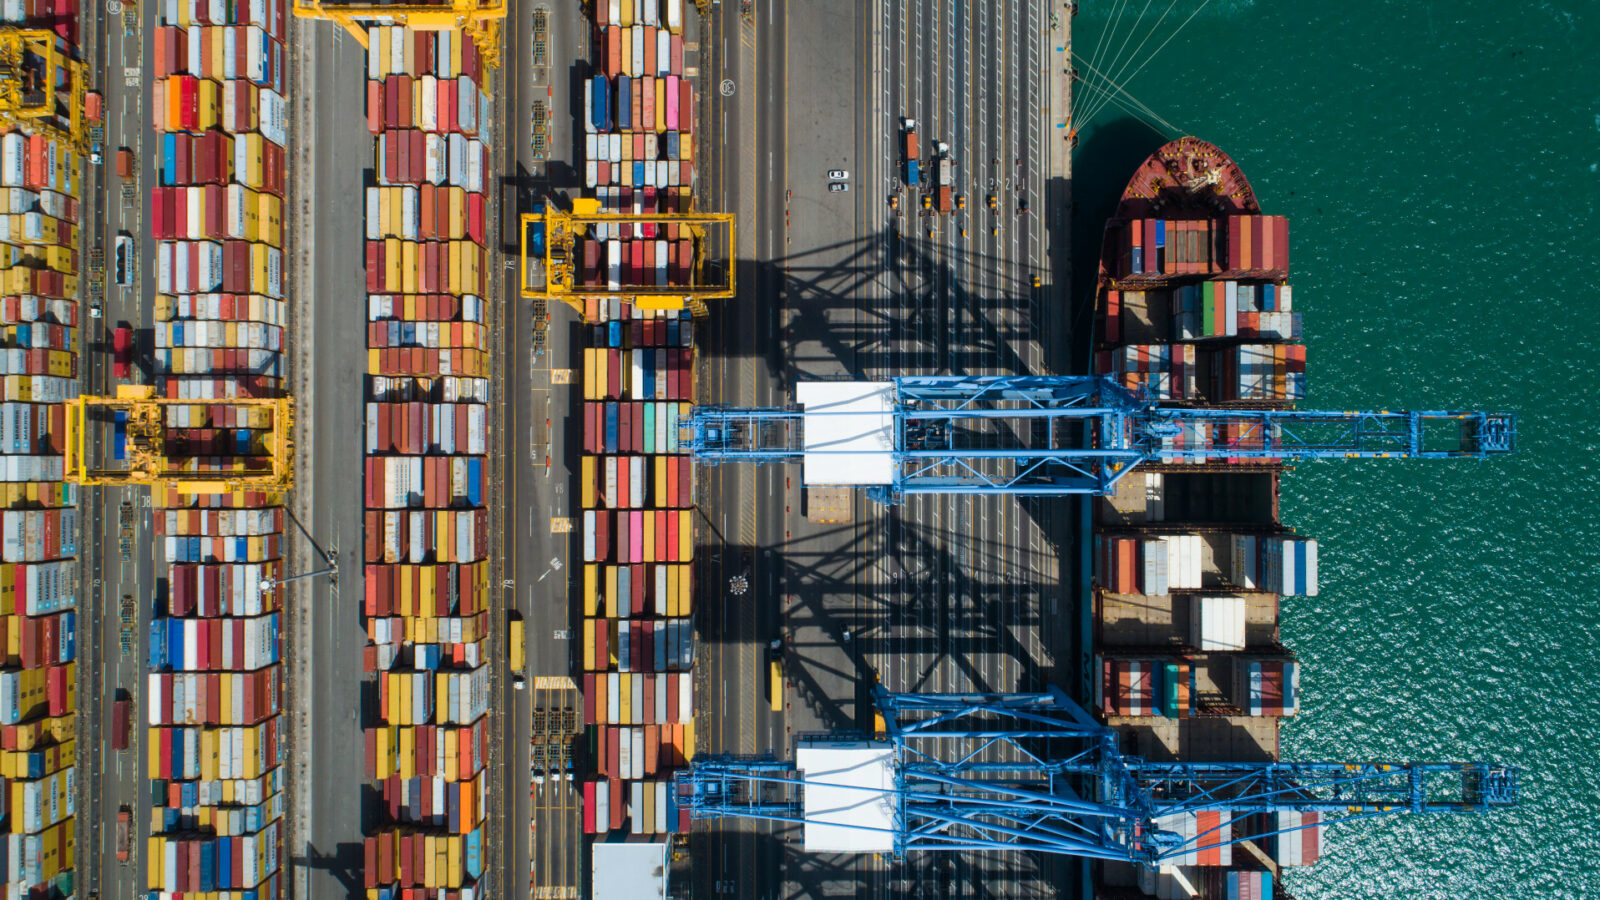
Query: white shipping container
{"points": [[13, 157]]}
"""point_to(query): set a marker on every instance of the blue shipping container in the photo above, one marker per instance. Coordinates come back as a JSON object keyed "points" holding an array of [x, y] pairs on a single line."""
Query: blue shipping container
{"points": [[475, 481], [624, 103], [600, 113]]}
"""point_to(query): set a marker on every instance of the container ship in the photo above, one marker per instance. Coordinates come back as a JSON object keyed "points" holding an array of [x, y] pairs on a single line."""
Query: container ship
{"points": [[1194, 308]]}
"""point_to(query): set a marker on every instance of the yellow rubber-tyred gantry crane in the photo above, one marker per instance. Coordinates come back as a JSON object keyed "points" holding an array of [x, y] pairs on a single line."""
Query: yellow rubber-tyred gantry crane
{"points": [[43, 89], [479, 19], [551, 258], [134, 431]]}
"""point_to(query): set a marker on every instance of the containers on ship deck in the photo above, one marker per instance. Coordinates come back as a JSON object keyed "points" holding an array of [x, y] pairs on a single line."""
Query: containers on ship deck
{"points": [[1217, 624], [1265, 687], [1164, 248]]}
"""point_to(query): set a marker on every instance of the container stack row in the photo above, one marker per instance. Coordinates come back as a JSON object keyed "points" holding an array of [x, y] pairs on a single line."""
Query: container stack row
{"points": [[214, 684], [425, 219], [639, 107], [636, 489], [1200, 311], [40, 189], [1238, 245], [426, 418]]}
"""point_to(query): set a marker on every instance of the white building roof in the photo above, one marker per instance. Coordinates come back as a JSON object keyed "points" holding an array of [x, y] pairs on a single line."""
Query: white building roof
{"points": [[630, 871], [848, 784], [849, 431]]}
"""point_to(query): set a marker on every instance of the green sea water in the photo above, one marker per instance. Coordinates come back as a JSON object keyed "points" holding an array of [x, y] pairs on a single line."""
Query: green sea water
{"points": [[1440, 165]]}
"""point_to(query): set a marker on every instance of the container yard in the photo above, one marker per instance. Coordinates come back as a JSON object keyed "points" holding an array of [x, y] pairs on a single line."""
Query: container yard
{"points": [[427, 431], [980, 627], [41, 189]]}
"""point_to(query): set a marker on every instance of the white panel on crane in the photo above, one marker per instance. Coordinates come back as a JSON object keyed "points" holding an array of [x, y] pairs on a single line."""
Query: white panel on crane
{"points": [[849, 431], [849, 796]]}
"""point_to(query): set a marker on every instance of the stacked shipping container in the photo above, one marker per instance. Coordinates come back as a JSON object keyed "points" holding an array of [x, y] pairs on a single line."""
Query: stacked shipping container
{"points": [[636, 487], [1188, 584], [639, 146], [636, 490], [39, 341], [427, 430], [214, 687]]}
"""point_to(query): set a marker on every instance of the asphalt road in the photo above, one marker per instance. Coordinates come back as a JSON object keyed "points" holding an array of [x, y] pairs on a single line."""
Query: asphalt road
{"points": [[944, 593], [542, 842], [110, 779], [331, 156]]}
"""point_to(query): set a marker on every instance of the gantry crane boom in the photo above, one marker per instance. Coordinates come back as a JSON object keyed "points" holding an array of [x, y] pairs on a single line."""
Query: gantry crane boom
{"points": [[1062, 435], [553, 264], [43, 89], [134, 430], [480, 19], [1034, 772]]}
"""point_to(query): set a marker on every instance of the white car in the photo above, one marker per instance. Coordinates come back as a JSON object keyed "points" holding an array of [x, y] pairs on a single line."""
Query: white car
{"points": [[838, 174], [838, 187]]}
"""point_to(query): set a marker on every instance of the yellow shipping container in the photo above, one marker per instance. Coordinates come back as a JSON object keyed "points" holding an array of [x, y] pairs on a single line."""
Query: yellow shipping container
{"points": [[391, 264], [252, 173], [59, 259], [458, 212], [209, 104], [410, 267], [649, 537], [591, 587]]}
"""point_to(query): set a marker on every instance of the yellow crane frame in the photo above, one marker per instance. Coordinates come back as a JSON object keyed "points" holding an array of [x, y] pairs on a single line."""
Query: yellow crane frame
{"points": [[480, 19], [148, 463], [561, 233], [16, 111]]}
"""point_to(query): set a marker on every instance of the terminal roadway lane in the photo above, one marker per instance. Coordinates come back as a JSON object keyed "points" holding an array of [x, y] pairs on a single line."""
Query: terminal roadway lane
{"points": [[113, 780], [743, 69], [332, 151], [541, 843], [943, 593]]}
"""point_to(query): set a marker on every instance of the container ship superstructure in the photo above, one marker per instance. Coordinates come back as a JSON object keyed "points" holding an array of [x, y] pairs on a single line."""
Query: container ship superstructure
{"points": [[1194, 308]]}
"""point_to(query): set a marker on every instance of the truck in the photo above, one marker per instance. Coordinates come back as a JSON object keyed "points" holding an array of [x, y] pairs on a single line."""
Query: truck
{"points": [[120, 713], [124, 834], [910, 148], [124, 163], [519, 651], [121, 350]]}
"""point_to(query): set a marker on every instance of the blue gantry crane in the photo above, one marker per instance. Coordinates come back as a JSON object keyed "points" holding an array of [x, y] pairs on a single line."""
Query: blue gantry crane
{"points": [[1034, 772], [1052, 435]]}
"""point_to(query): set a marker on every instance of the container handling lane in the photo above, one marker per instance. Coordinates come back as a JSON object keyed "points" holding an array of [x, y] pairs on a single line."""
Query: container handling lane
{"points": [[944, 593], [540, 843], [120, 574], [740, 531], [323, 845]]}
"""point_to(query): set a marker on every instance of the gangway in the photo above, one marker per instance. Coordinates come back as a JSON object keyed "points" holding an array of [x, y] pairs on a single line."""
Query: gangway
{"points": [[1050, 435], [1033, 772]]}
